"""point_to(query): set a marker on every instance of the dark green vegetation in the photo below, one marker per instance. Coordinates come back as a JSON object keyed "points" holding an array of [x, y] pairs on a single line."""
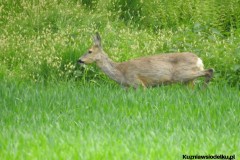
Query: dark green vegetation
{"points": [[51, 108], [43, 40]]}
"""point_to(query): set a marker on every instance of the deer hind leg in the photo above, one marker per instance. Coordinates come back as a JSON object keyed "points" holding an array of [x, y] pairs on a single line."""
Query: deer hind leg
{"points": [[189, 78], [190, 84], [208, 75]]}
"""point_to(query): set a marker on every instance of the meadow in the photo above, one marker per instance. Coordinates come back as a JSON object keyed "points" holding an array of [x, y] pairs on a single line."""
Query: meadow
{"points": [[73, 121], [53, 108]]}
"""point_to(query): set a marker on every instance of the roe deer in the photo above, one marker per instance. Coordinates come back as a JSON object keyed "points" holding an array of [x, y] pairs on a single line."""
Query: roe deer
{"points": [[150, 70]]}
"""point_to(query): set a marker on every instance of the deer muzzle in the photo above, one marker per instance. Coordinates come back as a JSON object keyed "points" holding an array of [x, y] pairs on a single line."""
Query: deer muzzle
{"points": [[80, 61]]}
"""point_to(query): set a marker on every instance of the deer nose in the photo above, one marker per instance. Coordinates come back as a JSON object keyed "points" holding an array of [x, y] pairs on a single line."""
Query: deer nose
{"points": [[80, 61]]}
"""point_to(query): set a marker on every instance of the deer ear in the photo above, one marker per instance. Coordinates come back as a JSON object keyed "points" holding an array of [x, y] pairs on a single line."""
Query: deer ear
{"points": [[97, 40]]}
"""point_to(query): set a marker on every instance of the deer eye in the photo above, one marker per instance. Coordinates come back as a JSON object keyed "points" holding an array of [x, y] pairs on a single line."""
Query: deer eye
{"points": [[89, 51]]}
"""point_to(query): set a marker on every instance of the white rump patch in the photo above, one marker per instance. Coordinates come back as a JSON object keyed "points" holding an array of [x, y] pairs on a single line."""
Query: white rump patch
{"points": [[200, 64]]}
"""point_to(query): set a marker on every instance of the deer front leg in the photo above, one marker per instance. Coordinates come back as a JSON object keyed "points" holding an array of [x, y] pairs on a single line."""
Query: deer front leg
{"points": [[141, 83]]}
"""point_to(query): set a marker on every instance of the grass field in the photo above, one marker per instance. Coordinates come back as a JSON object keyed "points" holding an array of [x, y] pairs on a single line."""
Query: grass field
{"points": [[52, 108], [72, 121]]}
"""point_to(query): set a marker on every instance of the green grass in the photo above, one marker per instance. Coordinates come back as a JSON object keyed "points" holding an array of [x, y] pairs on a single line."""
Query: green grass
{"points": [[67, 120], [87, 116], [43, 40]]}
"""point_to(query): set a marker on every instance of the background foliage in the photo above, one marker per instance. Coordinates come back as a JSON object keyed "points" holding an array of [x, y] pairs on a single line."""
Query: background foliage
{"points": [[41, 40]]}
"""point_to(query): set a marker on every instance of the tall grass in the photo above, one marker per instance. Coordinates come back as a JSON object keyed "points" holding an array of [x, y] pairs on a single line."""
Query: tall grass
{"points": [[223, 16], [43, 40], [73, 121]]}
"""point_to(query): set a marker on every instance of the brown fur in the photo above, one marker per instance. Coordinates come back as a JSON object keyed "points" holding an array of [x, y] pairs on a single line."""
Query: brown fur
{"points": [[148, 71]]}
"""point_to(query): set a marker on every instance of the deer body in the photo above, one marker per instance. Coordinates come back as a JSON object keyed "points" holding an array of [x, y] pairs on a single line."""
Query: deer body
{"points": [[150, 70]]}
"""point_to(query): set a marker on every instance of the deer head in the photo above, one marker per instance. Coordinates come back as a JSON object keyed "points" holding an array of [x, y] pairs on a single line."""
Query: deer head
{"points": [[94, 53]]}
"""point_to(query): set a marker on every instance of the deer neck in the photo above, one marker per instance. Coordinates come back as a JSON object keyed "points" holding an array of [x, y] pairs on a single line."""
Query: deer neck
{"points": [[109, 67]]}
